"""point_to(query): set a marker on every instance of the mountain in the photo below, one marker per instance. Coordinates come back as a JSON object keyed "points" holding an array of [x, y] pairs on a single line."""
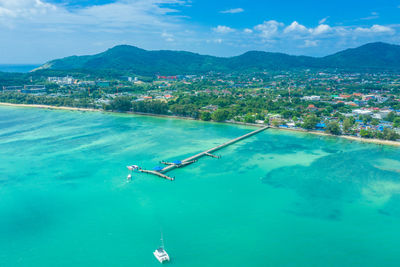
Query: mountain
{"points": [[142, 62], [373, 56], [139, 61]]}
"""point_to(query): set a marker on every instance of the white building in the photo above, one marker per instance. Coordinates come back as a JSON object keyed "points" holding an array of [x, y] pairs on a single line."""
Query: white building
{"points": [[362, 112], [312, 98], [384, 113], [61, 80]]}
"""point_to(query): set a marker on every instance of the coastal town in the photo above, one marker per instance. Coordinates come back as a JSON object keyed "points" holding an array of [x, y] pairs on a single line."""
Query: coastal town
{"points": [[340, 103]]}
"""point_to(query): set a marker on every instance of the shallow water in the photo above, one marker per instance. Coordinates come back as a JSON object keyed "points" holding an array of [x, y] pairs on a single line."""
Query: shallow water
{"points": [[275, 199]]}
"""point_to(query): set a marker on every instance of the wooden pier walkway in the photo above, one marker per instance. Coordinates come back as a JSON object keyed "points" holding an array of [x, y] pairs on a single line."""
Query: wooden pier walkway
{"points": [[158, 174], [208, 152], [192, 159]]}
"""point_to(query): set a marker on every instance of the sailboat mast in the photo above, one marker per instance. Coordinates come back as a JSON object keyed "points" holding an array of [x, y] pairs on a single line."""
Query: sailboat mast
{"points": [[162, 240]]}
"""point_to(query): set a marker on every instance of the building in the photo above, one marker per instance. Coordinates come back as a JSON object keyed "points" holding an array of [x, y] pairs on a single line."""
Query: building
{"points": [[210, 108], [61, 80], [362, 112], [167, 78], [13, 88], [384, 112], [34, 89], [126, 78], [312, 98]]}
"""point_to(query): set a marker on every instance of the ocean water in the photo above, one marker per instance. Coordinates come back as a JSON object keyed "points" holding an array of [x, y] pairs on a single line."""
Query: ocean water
{"points": [[21, 68], [275, 199]]}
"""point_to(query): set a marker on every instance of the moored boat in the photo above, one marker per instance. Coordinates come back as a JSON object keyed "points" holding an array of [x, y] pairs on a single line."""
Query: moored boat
{"points": [[133, 167], [160, 253]]}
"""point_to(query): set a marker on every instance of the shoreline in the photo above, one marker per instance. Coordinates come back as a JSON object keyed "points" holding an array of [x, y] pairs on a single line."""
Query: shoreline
{"points": [[48, 107], [351, 138], [348, 137]]}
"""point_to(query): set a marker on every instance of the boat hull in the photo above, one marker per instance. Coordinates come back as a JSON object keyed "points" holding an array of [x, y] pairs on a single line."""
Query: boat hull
{"points": [[162, 258]]}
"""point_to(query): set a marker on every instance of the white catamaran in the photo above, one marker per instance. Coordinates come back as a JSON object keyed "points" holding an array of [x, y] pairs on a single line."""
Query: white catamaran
{"points": [[160, 253]]}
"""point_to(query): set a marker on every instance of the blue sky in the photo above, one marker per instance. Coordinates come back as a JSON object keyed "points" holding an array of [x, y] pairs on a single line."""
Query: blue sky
{"points": [[35, 31]]}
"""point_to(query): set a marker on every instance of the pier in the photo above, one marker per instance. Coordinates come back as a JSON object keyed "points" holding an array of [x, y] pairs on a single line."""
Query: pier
{"points": [[158, 174], [178, 164]]}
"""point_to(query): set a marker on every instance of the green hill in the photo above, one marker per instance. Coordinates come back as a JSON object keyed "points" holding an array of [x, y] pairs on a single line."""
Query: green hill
{"points": [[142, 62], [372, 56]]}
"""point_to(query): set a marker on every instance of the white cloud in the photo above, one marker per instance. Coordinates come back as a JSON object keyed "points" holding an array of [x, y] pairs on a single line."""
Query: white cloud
{"points": [[321, 29], [16, 8], [11, 10], [276, 35], [65, 30], [268, 29], [301, 30], [233, 11], [374, 15], [295, 27], [375, 29], [122, 13], [5, 12], [223, 29], [156, 24], [310, 43], [168, 37], [322, 21], [215, 41]]}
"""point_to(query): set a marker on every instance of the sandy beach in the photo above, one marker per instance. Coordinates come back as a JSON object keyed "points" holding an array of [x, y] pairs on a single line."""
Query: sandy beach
{"points": [[48, 107], [352, 138]]}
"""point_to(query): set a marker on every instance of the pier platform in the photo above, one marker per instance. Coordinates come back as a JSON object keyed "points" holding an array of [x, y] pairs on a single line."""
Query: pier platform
{"points": [[178, 164]]}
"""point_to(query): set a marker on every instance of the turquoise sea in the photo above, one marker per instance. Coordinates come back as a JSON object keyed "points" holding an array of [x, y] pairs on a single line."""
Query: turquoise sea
{"points": [[275, 199]]}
